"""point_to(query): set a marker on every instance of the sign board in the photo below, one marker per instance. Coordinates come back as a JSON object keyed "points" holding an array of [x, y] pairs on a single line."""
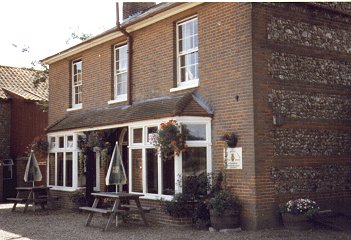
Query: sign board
{"points": [[234, 158]]}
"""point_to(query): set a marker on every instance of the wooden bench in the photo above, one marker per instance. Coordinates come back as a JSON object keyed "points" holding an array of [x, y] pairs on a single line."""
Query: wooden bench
{"points": [[19, 200], [134, 207], [101, 210]]}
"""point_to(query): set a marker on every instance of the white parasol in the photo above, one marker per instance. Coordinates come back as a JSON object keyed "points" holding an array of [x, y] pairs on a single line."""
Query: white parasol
{"points": [[32, 172], [116, 174]]}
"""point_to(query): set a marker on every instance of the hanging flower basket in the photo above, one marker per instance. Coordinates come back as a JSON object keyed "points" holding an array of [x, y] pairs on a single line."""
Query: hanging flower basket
{"points": [[39, 145], [169, 140], [231, 139]]}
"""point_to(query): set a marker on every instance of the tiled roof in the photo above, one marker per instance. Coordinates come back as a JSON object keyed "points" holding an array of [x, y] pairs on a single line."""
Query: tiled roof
{"points": [[19, 81], [179, 105]]}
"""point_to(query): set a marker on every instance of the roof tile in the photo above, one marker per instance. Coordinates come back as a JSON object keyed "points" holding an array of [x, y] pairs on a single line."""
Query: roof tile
{"points": [[146, 110], [19, 81]]}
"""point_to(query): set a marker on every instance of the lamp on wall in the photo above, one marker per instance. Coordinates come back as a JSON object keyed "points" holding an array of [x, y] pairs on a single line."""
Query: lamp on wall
{"points": [[278, 119]]}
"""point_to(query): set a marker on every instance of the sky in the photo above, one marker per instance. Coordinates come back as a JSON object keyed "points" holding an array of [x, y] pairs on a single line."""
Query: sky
{"points": [[45, 26]]}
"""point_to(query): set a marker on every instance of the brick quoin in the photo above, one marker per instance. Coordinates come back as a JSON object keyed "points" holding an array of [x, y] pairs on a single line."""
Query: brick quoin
{"points": [[235, 71]]}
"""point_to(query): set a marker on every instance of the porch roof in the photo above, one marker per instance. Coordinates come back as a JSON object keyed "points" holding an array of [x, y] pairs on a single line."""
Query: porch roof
{"points": [[188, 104]]}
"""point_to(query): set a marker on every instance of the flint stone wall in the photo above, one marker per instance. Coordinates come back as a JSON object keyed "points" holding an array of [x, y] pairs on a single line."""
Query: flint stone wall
{"points": [[290, 67], [297, 105], [311, 142], [308, 35], [5, 121], [341, 6], [326, 178]]}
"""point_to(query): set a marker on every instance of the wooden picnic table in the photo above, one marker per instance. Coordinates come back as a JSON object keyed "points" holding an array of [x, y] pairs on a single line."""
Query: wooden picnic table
{"points": [[118, 208], [31, 195]]}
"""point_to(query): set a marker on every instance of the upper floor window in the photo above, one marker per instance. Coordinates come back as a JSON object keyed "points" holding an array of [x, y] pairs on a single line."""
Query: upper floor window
{"points": [[77, 84], [120, 73], [187, 53]]}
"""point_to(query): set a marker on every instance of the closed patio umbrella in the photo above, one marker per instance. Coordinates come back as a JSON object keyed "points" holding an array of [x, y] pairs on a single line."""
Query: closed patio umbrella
{"points": [[32, 172], [116, 174]]}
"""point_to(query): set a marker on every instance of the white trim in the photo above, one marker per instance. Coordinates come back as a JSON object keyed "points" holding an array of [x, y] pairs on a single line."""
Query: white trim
{"points": [[64, 150], [177, 159], [118, 99], [186, 85], [121, 97], [115, 34], [75, 108], [80, 85]]}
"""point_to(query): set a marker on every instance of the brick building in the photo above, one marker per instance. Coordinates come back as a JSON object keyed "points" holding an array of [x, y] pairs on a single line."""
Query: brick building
{"points": [[21, 120], [275, 74]]}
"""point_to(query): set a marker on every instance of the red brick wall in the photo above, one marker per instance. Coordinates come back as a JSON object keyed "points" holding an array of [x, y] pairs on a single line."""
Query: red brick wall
{"points": [[225, 70]]}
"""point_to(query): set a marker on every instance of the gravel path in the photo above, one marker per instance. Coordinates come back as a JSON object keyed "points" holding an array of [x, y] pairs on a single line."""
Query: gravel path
{"points": [[61, 224]]}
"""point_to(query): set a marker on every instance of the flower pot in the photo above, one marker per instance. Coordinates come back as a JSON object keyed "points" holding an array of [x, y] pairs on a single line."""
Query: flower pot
{"points": [[296, 222], [227, 220]]}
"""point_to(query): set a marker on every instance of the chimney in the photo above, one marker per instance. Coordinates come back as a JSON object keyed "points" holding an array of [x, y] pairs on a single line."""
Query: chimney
{"points": [[131, 8]]}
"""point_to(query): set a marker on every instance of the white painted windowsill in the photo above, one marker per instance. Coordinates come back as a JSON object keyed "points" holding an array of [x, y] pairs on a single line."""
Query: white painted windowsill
{"points": [[186, 85], [119, 99], [74, 108]]}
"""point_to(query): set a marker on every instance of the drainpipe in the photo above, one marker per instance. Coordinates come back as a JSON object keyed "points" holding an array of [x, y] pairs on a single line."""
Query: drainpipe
{"points": [[129, 52]]}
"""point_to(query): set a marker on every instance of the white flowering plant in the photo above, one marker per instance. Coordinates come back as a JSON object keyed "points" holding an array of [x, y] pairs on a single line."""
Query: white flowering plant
{"points": [[300, 206]]}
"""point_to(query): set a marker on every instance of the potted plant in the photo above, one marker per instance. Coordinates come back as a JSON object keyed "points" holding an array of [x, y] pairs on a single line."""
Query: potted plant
{"points": [[224, 210], [297, 214], [78, 198]]}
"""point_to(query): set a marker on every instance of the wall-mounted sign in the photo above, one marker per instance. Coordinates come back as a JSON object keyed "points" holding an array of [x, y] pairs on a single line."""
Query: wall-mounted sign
{"points": [[234, 158]]}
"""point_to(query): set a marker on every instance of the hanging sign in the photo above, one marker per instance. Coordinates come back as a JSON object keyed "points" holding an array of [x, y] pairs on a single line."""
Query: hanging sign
{"points": [[234, 158]]}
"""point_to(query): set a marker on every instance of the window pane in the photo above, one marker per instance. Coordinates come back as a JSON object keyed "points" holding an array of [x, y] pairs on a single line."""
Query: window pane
{"points": [[121, 84], [151, 171], [137, 173], [61, 142], [69, 141], [52, 169], [150, 132], [194, 161], [195, 132], [81, 170], [69, 164], [59, 169], [138, 135], [52, 142], [168, 183], [183, 74]]}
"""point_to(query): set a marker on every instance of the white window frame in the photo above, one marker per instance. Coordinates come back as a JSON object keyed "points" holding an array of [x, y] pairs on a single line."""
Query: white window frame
{"points": [[188, 83], [177, 160], [55, 150], [118, 72], [79, 105]]}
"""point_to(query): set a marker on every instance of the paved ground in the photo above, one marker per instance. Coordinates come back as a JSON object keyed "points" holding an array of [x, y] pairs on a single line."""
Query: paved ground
{"points": [[61, 224]]}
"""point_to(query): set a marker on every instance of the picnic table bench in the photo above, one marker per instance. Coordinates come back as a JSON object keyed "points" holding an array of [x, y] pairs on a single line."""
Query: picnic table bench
{"points": [[118, 208], [31, 195]]}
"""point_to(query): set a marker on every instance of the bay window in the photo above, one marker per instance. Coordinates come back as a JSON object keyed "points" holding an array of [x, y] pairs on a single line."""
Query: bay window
{"points": [[61, 164], [155, 177]]}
